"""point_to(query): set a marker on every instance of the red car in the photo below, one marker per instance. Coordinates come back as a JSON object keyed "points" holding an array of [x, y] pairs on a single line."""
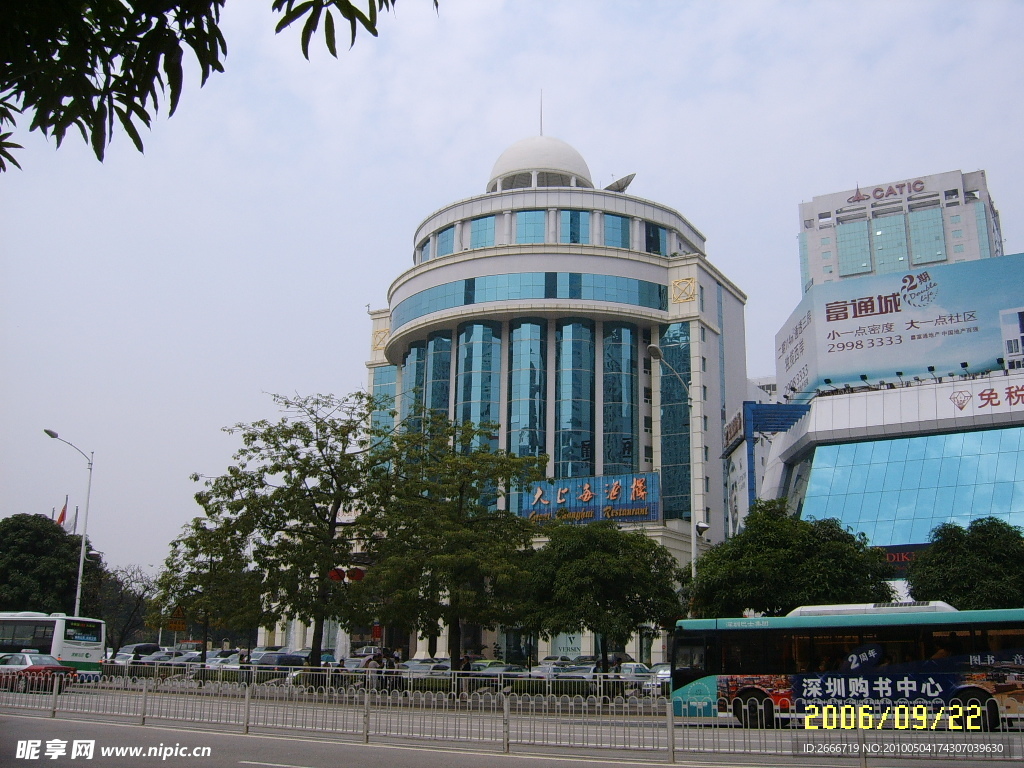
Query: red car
{"points": [[30, 671]]}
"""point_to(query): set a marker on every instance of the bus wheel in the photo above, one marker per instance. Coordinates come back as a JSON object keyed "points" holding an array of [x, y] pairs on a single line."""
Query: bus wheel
{"points": [[990, 719], [754, 710]]}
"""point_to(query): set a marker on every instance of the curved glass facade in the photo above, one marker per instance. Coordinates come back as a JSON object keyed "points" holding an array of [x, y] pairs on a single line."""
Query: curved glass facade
{"points": [[413, 378], [384, 378], [897, 491], [478, 371], [574, 398], [438, 372], [531, 285], [620, 398], [676, 490], [527, 387]]}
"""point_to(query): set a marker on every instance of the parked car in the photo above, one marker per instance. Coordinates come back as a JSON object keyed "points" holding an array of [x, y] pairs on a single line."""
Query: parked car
{"points": [[555, 660], [659, 681], [136, 651], [279, 662], [189, 645], [367, 650], [27, 671], [634, 670], [482, 664], [547, 671], [326, 657], [428, 668], [161, 657]]}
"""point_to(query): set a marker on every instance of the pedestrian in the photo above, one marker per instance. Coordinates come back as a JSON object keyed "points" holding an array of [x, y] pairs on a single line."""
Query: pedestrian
{"points": [[466, 664], [373, 673]]}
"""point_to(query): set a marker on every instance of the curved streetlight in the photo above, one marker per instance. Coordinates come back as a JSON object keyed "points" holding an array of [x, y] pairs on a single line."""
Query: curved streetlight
{"points": [[697, 529], [85, 522]]}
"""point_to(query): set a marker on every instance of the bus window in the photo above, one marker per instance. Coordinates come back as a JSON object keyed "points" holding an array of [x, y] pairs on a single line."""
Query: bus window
{"points": [[832, 652]]}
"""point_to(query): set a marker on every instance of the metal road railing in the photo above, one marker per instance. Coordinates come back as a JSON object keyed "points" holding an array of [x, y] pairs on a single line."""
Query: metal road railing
{"points": [[502, 712]]}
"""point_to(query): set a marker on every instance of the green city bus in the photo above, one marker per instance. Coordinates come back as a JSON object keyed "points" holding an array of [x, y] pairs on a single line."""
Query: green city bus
{"points": [[73, 640], [873, 659]]}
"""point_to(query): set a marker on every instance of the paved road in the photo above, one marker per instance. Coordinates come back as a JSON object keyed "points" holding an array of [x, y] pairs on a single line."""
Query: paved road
{"points": [[173, 748]]}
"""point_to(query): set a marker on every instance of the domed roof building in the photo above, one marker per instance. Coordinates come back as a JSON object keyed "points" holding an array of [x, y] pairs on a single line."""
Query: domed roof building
{"points": [[538, 305]]}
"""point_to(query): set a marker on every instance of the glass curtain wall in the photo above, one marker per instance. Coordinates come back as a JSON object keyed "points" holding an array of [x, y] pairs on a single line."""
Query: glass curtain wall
{"points": [[620, 398], [385, 378], [478, 384], [410, 409], [676, 422], [437, 376], [527, 387], [574, 398]]}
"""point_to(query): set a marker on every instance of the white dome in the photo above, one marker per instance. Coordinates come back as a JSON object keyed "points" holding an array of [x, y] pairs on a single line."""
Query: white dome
{"points": [[541, 153]]}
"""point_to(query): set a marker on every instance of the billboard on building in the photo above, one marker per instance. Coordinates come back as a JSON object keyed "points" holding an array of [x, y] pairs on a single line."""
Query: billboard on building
{"points": [[886, 327], [632, 498]]}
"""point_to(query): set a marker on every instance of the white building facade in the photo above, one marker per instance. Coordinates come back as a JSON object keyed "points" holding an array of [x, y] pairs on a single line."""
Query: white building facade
{"points": [[898, 226]]}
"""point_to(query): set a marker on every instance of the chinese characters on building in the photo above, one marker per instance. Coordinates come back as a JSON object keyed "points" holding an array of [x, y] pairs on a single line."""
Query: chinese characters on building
{"points": [[632, 498]]}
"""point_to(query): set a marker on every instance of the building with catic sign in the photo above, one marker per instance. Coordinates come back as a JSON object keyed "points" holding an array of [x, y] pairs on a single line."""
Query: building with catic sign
{"points": [[898, 227], [534, 305]]}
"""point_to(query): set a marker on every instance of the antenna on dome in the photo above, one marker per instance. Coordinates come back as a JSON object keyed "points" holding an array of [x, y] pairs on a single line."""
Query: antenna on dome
{"points": [[541, 111]]}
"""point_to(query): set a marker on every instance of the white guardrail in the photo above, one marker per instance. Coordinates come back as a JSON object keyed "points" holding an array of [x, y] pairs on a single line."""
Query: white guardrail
{"points": [[504, 711]]}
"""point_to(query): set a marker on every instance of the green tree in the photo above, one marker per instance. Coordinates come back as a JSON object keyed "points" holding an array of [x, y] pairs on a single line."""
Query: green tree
{"points": [[596, 577], [124, 597], [94, 64], [443, 549], [779, 562], [39, 567], [286, 499], [207, 575], [979, 567]]}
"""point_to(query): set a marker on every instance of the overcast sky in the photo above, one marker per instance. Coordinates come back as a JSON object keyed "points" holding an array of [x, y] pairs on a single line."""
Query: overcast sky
{"points": [[148, 301]]}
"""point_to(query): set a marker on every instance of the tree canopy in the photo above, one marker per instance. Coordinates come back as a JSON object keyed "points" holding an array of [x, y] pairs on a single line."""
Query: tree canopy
{"points": [[599, 578], [39, 567], [442, 549], [286, 499], [779, 562], [981, 566], [94, 65]]}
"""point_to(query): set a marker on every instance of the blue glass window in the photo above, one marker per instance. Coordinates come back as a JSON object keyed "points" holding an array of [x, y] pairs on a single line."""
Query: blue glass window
{"points": [[927, 236], [574, 398], [383, 381], [527, 387], [413, 371], [446, 241], [574, 227], [889, 240], [620, 399], [676, 493], [482, 232], [531, 285], [616, 231], [425, 250], [854, 248], [897, 491], [478, 374], [530, 227], [437, 376]]}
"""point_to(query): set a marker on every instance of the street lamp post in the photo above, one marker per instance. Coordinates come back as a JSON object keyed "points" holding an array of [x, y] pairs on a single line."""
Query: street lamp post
{"points": [[85, 522], [697, 529]]}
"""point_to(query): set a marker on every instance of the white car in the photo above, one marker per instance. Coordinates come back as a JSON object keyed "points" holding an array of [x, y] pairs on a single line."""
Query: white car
{"points": [[659, 680]]}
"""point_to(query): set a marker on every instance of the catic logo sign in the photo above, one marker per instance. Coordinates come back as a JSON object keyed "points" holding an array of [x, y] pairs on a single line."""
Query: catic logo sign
{"points": [[893, 190]]}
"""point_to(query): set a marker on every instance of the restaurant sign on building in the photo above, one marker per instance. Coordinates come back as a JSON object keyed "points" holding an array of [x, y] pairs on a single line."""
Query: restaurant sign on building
{"points": [[631, 498]]}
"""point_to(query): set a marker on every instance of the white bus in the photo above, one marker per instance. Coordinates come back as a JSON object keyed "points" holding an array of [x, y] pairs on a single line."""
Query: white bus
{"points": [[75, 641]]}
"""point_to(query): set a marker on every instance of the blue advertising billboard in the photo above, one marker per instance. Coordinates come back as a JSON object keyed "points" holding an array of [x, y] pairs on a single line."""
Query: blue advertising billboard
{"points": [[870, 329], [632, 498]]}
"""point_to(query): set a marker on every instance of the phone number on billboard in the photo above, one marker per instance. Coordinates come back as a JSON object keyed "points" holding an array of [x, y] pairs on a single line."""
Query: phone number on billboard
{"points": [[879, 341]]}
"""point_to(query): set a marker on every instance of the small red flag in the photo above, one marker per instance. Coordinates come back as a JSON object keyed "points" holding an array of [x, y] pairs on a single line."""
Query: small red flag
{"points": [[63, 515]]}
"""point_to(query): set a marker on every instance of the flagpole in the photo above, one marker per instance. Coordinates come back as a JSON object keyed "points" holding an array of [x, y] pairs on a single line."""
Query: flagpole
{"points": [[85, 522]]}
